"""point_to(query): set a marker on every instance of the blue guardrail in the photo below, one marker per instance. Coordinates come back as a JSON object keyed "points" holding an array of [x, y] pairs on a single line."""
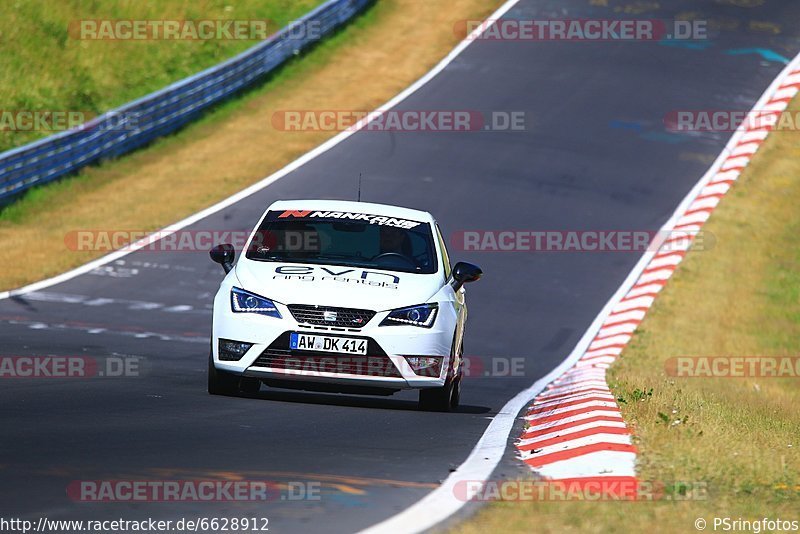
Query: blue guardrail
{"points": [[132, 125]]}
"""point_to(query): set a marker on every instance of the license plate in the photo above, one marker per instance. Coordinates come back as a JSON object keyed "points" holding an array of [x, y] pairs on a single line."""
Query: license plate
{"points": [[320, 343]]}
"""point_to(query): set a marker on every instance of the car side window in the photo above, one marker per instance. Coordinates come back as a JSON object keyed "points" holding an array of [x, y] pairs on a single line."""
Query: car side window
{"points": [[445, 256]]}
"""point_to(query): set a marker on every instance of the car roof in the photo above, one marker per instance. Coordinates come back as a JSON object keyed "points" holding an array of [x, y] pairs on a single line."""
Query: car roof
{"points": [[355, 207]]}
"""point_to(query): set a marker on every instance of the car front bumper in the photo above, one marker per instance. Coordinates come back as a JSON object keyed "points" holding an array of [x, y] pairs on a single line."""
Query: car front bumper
{"points": [[384, 366]]}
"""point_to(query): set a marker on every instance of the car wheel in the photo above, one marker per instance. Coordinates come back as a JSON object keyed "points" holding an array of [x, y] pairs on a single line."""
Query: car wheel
{"points": [[445, 398], [455, 398], [221, 382]]}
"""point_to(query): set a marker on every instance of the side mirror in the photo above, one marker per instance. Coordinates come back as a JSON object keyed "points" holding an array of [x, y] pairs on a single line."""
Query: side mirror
{"points": [[224, 255], [464, 273]]}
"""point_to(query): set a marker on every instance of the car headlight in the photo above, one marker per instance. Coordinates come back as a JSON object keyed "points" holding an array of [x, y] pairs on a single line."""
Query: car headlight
{"points": [[423, 315], [245, 302]]}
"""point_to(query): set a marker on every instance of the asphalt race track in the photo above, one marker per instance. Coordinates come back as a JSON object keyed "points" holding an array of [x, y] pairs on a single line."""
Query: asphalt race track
{"points": [[594, 155]]}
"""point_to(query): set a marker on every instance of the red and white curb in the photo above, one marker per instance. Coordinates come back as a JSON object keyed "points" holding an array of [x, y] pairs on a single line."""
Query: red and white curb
{"points": [[574, 428]]}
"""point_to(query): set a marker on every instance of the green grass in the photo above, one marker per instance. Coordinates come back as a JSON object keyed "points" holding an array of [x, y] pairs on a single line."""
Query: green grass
{"points": [[44, 67]]}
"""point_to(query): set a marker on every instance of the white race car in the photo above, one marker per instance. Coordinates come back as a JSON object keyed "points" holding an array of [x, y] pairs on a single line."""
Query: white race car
{"points": [[345, 297]]}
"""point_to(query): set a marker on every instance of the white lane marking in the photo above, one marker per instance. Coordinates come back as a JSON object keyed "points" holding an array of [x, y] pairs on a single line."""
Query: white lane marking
{"points": [[95, 329], [725, 175], [601, 463], [735, 163], [572, 408], [667, 261], [578, 377], [755, 135], [787, 92], [607, 351], [158, 266], [577, 386], [560, 390], [574, 398], [567, 431], [616, 329], [614, 412], [716, 189], [619, 439], [610, 341], [114, 272], [554, 395], [640, 302], [635, 315], [579, 380], [136, 305]]}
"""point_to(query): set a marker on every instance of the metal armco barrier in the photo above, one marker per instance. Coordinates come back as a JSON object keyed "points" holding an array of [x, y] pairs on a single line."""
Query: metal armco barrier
{"points": [[134, 124]]}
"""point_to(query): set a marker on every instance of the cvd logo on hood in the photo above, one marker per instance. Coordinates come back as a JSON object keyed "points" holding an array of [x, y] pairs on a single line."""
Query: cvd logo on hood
{"points": [[343, 275]]}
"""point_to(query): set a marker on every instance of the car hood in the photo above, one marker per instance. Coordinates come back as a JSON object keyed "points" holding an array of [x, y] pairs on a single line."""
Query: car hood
{"points": [[332, 285]]}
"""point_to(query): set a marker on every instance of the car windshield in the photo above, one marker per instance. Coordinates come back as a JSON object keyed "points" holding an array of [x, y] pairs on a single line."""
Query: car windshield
{"points": [[343, 238]]}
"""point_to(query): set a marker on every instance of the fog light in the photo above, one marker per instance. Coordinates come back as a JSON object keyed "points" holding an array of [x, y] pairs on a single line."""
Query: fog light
{"points": [[425, 365], [232, 351]]}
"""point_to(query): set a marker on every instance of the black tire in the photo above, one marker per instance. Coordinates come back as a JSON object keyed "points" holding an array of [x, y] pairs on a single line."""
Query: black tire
{"points": [[229, 384], [445, 398], [455, 399]]}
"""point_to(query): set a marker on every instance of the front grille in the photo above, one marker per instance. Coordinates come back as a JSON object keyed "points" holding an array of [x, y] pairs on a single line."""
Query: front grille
{"points": [[279, 356], [336, 317]]}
